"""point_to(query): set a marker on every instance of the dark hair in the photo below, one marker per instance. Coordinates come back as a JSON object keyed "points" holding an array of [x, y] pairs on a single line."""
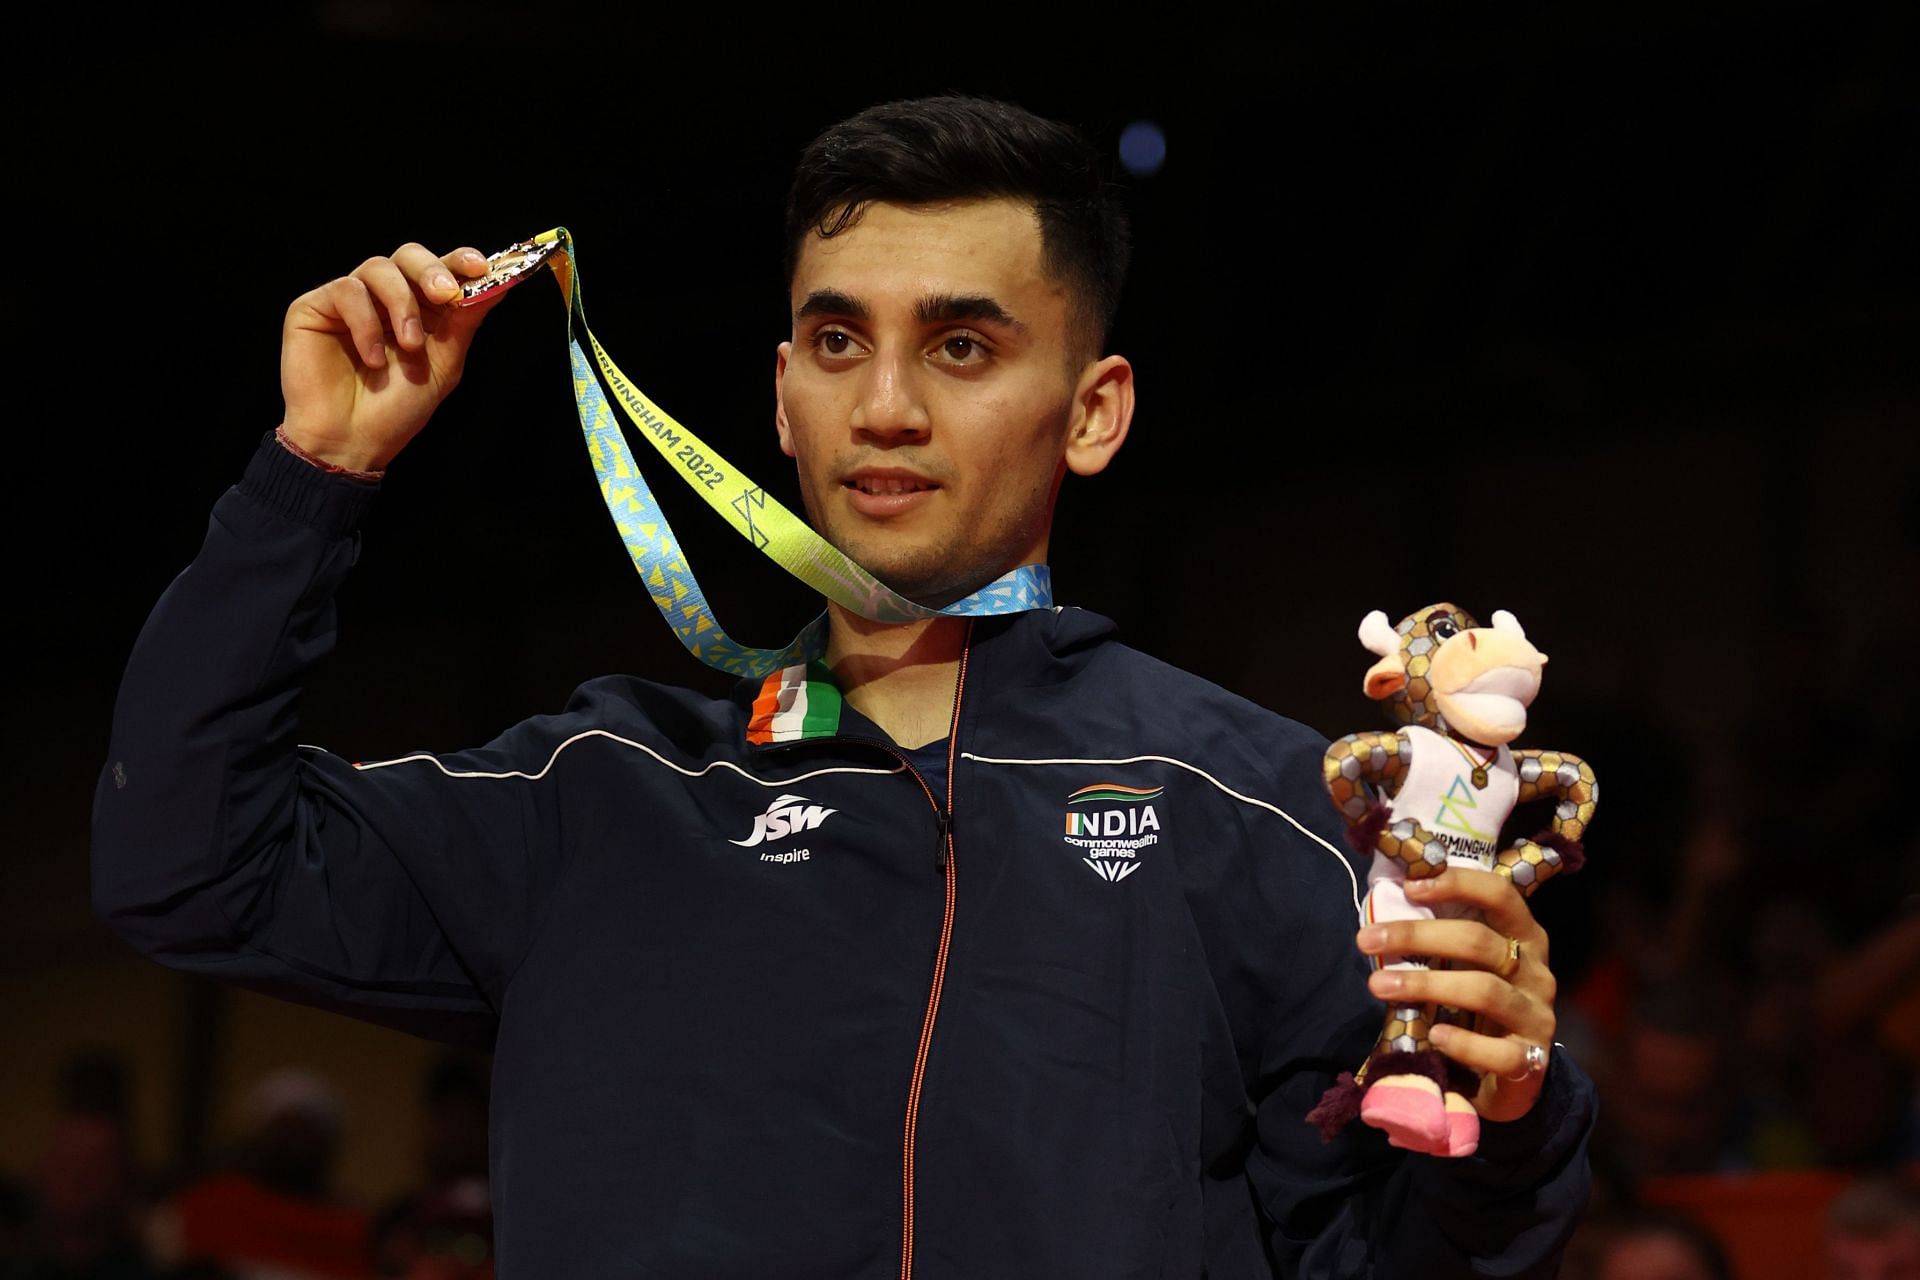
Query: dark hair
{"points": [[927, 150]]}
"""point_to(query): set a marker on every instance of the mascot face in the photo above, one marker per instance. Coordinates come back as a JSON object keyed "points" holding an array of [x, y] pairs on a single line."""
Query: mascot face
{"points": [[1442, 670]]}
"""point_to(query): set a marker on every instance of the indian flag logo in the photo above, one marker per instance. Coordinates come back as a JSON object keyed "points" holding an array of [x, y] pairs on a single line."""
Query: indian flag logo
{"points": [[1111, 825], [794, 703]]}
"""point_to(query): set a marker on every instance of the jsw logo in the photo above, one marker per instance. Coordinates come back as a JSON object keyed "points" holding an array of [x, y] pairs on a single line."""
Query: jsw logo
{"points": [[787, 816]]}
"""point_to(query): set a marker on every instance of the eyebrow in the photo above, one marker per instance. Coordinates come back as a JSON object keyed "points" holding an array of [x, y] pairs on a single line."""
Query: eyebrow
{"points": [[948, 307], [939, 308], [831, 302]]}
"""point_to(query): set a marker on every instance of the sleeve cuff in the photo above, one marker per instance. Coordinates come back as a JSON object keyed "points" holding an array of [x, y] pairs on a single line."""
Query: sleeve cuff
{"points": [[284, 484], [1532, 1150], [1563, 1109], [1515, 1140]]}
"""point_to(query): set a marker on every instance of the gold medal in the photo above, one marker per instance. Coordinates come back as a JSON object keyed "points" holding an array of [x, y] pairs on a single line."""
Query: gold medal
{"points": [[507, 268], [1480, 767]]}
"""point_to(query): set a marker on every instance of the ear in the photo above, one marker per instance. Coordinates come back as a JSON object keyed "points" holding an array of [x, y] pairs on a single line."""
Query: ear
{"points": [[1386, 677], [1378, 635], [1504, 621], [780, 423], [1102, 412]]}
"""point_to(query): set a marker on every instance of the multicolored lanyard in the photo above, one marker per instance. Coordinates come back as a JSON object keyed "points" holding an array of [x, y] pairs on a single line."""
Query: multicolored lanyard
{"points": [[753, 513]]}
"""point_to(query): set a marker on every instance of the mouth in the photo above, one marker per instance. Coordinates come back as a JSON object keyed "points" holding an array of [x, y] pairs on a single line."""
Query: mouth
{"points": [[1493, 710], [887, 494], [881, 483], [1497, 700], [1515, 683]]}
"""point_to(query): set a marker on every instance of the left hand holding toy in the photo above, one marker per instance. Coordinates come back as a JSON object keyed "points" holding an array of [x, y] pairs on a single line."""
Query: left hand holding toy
{"points": [[1514, 1001]]}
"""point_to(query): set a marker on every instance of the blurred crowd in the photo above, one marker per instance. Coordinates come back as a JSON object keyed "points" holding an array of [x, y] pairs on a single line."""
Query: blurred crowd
{"points": [[1740, 971], [265, 1210]]}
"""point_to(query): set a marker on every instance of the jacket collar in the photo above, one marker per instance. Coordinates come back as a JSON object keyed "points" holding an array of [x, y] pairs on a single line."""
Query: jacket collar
{"points": [[801, 702]]}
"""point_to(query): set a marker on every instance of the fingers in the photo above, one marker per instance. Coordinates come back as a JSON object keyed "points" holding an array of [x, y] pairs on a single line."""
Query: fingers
{"points": [[402, 284], [400, 301], [1502, 1056], [1512, 1009], [462, 316], [1492, 896], [427, 273], [412, 289], [1466, 942], [467, 261], [350, 302], [1521, 1011], [1466, 947]]}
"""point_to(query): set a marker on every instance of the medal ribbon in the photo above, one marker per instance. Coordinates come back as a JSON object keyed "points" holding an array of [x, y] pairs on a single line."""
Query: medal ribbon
{"points": [[749, 509]]}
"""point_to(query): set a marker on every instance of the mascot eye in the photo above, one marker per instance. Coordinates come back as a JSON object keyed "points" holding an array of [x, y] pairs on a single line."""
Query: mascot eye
{"points": [[1444, 629]]}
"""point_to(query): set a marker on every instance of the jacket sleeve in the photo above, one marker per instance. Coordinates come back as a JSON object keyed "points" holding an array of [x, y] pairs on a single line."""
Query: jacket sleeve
{"points": [[404, 895], [1356, 1206]]}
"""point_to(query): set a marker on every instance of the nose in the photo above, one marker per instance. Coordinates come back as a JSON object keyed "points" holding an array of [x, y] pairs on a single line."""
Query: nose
{"points": [[889, 408]]}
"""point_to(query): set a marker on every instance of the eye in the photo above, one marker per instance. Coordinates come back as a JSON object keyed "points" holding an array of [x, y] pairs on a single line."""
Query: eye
{"points": [[831, 342], [963, 349], [1443, 629]]}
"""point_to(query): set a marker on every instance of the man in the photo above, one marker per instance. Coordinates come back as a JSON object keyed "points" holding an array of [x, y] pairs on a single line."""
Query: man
{"points": [[909, 1027]]}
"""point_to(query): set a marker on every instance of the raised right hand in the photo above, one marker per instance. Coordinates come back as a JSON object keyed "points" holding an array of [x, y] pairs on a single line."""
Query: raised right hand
{"points": [[367, 358]]}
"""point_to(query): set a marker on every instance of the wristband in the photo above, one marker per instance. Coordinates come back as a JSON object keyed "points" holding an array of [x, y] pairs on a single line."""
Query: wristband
{"points": [[370, 477]]}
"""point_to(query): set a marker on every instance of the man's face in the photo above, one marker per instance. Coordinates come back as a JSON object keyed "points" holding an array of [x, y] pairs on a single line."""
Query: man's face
{"points": [[929, 392]]}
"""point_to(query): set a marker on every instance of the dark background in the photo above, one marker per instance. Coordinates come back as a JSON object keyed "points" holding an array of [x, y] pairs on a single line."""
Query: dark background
{"points": [[1605, 316]]}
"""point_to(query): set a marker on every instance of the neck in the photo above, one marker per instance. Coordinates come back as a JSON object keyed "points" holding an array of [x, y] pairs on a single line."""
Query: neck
{"points": [[902, 676]]}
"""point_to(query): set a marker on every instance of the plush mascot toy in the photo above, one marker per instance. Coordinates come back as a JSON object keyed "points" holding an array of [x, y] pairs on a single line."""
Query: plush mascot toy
{"points": [[1435, 794]]}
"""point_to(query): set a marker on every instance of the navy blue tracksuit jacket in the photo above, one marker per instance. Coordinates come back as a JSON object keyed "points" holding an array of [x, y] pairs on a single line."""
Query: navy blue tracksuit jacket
{"points": [[787, 1007]]}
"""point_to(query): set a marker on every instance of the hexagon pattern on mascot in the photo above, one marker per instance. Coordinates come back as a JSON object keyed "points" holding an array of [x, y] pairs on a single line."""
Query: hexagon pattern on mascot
{"points": [[1433, 794]]}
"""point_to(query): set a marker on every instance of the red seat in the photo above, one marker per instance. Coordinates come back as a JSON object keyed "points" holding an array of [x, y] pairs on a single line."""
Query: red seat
{"points": [[1772, 1224]]}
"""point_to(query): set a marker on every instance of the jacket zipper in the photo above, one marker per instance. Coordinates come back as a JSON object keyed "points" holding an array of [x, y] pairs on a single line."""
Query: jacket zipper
{"points": [[945, 817]]}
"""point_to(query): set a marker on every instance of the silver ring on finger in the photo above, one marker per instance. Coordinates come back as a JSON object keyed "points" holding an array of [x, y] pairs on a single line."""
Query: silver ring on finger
{"points": [[1534, 1061]]}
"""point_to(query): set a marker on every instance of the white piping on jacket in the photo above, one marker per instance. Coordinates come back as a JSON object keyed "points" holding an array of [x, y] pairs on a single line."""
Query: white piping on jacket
{"points": [[1194, 768], [964, 755], [602, 733]]}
